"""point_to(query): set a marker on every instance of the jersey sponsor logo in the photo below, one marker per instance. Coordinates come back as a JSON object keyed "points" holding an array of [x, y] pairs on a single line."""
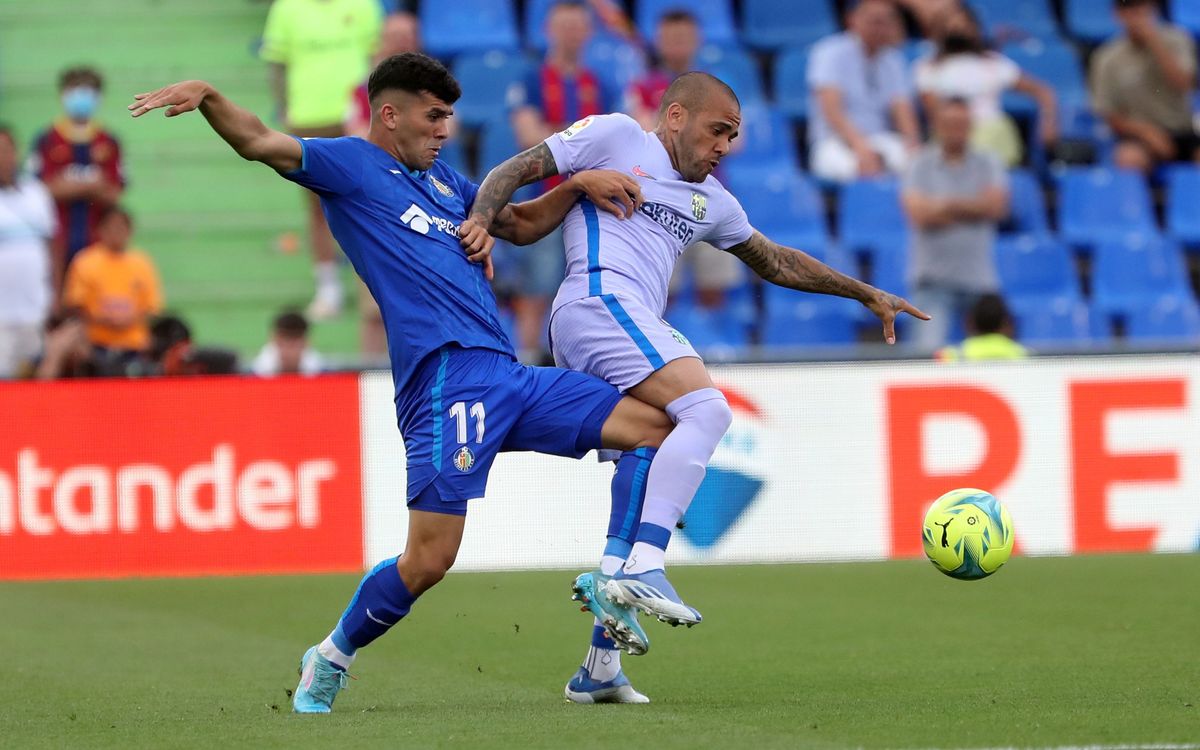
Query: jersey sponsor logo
{"points": [[676, 225], [576, 127], [420, 222], [442, 187], [699, 206], [464, 459], [639, 172]]}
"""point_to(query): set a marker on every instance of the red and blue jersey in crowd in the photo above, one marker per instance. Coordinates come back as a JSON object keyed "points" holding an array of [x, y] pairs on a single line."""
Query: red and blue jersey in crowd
{"points": [[563, 99], [93, 153]]}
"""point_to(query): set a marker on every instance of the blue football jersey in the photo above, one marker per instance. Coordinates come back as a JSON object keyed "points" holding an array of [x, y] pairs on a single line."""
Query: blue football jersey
{"points": [[400, 230]]}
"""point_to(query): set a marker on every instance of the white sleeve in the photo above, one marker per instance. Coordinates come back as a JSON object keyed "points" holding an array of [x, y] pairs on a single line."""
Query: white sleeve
{"points": [[591, 142], [732, 226], [44, 217], [1007, 71]]}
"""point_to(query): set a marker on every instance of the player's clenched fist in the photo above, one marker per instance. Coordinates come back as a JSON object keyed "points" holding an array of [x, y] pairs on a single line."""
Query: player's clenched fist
{"points": [[612, 191], [477, 243], [179, 97]]}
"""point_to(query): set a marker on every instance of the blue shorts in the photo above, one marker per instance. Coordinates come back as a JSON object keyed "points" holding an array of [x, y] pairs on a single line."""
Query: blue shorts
{"points": [[463, 406]]}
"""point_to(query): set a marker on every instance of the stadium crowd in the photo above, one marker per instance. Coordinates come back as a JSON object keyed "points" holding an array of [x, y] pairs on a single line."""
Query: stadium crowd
{"points": [[949, 150]]}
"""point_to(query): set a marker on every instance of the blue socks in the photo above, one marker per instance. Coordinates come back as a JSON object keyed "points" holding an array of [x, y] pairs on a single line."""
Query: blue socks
{"points": [[381, 601]]}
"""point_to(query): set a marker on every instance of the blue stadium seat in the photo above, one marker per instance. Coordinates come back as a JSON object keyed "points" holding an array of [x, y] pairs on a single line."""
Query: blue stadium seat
{"points": [[799, 319], [736, 68], [791, 82], [449, 28], [1183, 220], [1099, 203], [716, 333], [615, 61], [1058, 65], [1028, 205], [1052, 320], [715, 17], [870, 219], [1133, 272], [1171, 318], [765, 139], [498, 143], [1014, 18], [1186, 13], [485, 78], [1036, 265], [1091, 21], [783, 202], [454, 155], [772, 24]]}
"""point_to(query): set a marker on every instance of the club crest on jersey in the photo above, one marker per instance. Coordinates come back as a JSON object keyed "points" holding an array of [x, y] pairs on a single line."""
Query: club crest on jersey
{"points": [[699, 206], [679, 337], [464, 459], [576, 127], [442, 187]]}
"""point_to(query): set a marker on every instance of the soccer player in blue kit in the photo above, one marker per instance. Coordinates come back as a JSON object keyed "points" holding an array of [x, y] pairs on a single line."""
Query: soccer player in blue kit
{"points": [[461, 396]]}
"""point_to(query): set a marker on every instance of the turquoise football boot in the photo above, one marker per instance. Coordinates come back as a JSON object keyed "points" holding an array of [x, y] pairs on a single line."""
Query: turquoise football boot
{"points": [[619, 621], [320, 682]]}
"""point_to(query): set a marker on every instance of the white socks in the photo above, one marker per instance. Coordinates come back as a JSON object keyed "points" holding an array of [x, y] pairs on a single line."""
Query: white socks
{"points": [[331, 652]]}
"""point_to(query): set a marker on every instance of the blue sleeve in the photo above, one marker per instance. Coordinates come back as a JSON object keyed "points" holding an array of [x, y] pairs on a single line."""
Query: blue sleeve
{"points": [[328, 165]]}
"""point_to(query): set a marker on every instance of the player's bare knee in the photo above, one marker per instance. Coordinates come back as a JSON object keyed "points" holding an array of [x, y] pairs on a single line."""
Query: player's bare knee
{"points": [[657, 425]]}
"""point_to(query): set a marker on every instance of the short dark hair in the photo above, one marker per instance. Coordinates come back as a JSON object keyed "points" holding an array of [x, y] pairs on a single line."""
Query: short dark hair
{"points": [[80, 75], [290, 324], [1134, 3], [114, 210], [678, 15], [413, 72], [990, 314], [166, 332], [690, 89]]}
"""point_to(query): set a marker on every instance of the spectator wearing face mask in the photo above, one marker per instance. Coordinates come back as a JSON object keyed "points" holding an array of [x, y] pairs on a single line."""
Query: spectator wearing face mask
{"points": [[80, 163]]}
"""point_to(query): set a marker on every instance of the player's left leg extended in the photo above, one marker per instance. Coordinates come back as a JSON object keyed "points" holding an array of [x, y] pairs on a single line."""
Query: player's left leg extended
{"points": [[701, 415], [383, 598]]}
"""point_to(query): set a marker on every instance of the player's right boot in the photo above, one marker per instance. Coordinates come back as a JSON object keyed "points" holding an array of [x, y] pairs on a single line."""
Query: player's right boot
{"points": [[652, 593], [583, 689], [620, 622], [320, 682]]}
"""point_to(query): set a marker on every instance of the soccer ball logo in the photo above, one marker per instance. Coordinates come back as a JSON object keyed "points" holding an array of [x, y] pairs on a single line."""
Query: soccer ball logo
{"points": [[967, 534], [464, 459]]}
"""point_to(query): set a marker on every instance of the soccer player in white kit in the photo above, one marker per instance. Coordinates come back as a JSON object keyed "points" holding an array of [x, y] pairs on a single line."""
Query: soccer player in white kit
{"points": [[607, 319]]}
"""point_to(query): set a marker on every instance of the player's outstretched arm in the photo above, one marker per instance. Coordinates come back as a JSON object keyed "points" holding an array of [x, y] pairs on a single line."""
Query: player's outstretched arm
{"points": [[240, 128], [798, 270], [528, 222]]}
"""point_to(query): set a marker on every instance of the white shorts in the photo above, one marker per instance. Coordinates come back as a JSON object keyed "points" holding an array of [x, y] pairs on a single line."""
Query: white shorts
{"points": [[616, 338]]}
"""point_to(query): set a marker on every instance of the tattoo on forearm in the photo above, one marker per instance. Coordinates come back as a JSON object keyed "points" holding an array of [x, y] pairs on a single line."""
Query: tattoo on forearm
{"points": [[786, 267], [528, 166]]}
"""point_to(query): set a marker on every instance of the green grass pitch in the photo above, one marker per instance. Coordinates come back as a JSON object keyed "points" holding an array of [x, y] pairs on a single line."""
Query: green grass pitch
{"points": [[1049, 652]]}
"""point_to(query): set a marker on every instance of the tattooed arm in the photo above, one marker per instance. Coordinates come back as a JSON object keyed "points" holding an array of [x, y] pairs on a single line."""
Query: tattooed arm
{"points": [[529, 166], [797, 270]]}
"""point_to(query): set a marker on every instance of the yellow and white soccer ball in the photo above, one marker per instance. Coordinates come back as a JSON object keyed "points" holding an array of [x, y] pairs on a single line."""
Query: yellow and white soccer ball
{"points": [[968, 534]]}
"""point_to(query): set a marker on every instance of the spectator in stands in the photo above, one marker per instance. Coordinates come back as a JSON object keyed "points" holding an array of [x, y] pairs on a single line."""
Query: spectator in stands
{"points": [[80, 162], [676, 42], [863, 122], [317, 53], [991, 334], [1142, 85], [925, 13], [288, 352], [116, 289], [68, 353], [963, 67], [27, 222], [401, 33], [170, 347], [559, 92], [954, 197]]}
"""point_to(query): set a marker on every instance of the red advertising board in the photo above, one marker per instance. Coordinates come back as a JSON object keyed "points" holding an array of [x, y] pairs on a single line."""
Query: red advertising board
{"points": [[180, 477]]}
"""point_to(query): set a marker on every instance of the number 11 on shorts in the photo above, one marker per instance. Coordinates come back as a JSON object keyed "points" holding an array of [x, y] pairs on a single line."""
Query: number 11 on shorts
{"points": [[459, 412]]}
